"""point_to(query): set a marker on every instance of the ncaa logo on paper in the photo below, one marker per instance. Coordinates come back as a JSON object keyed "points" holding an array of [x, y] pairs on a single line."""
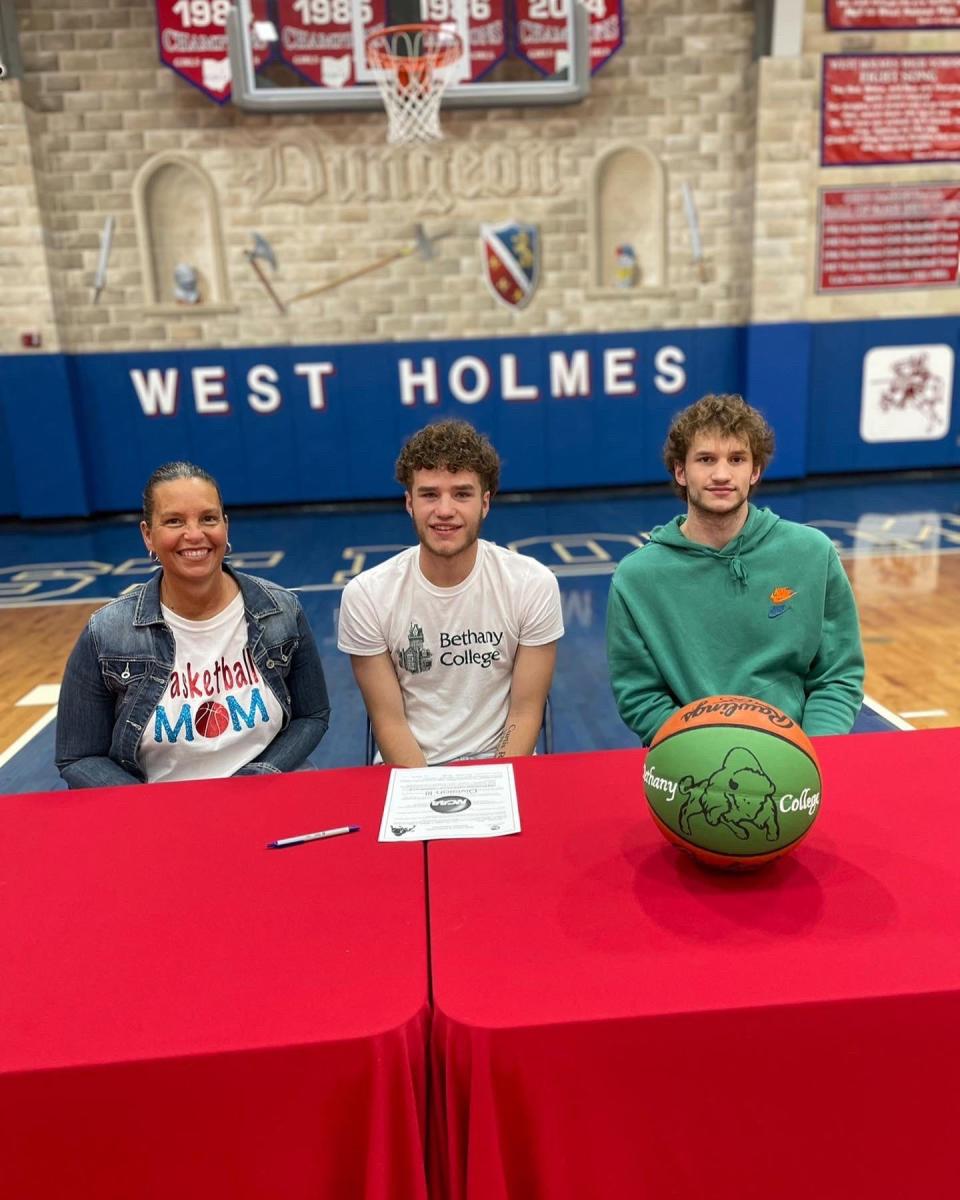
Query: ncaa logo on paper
{"points": [[907, 393]]}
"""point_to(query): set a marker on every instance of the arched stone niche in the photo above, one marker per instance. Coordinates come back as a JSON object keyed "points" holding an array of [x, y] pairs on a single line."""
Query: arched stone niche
{"points": [[628, 209], [178, 221]]}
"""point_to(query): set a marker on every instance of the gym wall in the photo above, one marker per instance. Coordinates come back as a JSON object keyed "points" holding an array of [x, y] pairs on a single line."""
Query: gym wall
{"points": [[576, 386]]}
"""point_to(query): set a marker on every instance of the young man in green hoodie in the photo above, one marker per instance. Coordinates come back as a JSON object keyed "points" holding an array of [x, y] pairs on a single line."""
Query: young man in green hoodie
{"points": [[730, 599]]}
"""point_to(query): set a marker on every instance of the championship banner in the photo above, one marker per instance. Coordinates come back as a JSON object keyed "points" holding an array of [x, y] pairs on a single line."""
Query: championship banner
{"points": [[193, 42], [541, 33], [888, 237], [890, 108], [316, 37], [893, 14], [488, 30]]}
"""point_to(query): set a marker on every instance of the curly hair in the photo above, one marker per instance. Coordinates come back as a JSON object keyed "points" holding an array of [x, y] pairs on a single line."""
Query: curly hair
{"points": [[726, 415], [167, 474], [449, 446]]}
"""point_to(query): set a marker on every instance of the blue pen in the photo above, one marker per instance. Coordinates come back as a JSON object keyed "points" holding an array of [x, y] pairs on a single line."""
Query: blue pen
{"points": [[312, 837]]}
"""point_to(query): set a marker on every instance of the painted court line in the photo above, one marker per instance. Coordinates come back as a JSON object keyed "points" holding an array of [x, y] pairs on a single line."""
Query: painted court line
{"points": [[925, 712], [42, 696], [25, 738], [887, 715]]}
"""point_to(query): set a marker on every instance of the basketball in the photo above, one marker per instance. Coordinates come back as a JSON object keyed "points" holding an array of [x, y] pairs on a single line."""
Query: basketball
{"points": [[211, 719], [733, 781]]}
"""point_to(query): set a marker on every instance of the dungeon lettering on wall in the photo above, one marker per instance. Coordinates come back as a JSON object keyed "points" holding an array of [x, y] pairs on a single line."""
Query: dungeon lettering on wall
{"points": [[303, 171]]}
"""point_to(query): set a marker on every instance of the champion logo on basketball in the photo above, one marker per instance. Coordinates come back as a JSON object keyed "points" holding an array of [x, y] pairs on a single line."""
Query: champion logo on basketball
{"points": [[779, 599]]}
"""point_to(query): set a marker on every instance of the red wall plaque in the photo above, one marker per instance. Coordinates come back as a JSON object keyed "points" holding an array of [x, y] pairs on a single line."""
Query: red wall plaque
{"points": [[888, 237], [890, 108], [893, 14]]}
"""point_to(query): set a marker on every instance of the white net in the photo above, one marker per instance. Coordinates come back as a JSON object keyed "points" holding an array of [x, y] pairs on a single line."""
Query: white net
{"points": [[412, 65]]}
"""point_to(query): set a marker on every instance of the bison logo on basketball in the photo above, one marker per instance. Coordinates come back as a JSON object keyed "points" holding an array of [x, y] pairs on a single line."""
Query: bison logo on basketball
{"points": [[511, 261], [738, 795]]}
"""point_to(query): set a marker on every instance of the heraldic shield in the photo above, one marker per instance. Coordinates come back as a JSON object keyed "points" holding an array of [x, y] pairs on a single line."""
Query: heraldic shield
{"points": [[511, 261]]}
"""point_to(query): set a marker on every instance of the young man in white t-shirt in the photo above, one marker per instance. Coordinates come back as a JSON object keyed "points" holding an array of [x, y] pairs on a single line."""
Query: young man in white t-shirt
{"points": [[453, 641]]}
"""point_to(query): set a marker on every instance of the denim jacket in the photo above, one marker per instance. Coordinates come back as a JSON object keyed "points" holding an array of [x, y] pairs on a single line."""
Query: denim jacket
{"points": [[122, 663]]}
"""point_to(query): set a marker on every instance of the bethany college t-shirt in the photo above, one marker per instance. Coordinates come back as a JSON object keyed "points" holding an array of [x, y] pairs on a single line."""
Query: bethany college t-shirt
{"points": [[217, 713], [453, 648]]}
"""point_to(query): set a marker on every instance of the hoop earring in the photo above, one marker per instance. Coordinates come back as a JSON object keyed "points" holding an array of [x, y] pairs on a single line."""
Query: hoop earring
{"points": [[229, 550], [153, 556]]}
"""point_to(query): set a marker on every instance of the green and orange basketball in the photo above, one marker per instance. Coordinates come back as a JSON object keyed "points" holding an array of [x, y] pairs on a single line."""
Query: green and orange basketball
{"points": [[733, 781]]}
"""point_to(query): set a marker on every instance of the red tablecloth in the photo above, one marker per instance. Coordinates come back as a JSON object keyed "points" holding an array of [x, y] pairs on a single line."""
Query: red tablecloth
{"points": [[613, 1021], [186, 1014]]}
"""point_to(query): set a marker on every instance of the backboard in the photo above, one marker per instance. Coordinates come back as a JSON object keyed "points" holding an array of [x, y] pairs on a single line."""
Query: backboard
{"points": [[516, 52]]}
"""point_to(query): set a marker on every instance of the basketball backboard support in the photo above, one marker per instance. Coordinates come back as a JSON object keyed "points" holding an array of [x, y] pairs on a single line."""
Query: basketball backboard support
{"points": [[323, 60]]}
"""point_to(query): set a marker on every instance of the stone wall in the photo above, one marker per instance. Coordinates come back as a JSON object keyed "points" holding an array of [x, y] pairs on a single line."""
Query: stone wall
{"points": [[330, 196], [26, 305], [96, 112], [817, 41]]}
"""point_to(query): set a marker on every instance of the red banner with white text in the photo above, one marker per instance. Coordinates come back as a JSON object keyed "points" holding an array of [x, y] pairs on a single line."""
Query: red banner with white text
{"points": [[906, 236], [540, 32], [893, 14], [890, 108], [193, 42], [487, 22], [318, 38]]}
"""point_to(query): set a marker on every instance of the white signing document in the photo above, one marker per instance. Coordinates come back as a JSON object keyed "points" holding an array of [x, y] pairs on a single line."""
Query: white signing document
{"points": [[424, 803]]}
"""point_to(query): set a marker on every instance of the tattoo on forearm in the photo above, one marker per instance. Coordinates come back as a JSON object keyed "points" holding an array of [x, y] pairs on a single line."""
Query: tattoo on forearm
{"points": [[504, 738]]}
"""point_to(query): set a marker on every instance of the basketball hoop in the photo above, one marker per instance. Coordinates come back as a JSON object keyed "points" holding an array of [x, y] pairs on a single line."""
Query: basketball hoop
{"points": [[410, 63]]}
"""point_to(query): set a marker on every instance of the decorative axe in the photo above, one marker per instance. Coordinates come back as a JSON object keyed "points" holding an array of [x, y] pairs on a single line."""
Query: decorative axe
{"points": [[263, 249], [421, 245]]}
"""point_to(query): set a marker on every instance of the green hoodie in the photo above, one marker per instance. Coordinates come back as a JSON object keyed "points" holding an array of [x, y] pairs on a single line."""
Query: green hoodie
{"points": [[770, 615]]}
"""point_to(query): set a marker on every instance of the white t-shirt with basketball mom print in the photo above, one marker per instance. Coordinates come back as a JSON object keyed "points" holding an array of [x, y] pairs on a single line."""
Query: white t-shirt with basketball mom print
{"points": [[217, 713], [453, 649]]}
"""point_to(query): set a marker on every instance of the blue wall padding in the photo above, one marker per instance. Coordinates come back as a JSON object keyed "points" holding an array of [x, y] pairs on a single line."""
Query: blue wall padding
{"points": [[778, 382], [41, 448], [836, 380], [75, 436]]}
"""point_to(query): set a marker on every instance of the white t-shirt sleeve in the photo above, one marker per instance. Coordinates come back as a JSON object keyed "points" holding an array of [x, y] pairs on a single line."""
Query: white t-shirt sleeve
{"points": [[359, 630], [541, 620]]}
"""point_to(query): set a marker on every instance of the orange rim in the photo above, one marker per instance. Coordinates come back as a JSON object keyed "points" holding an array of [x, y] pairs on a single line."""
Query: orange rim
{"points": [[381, 56]]}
